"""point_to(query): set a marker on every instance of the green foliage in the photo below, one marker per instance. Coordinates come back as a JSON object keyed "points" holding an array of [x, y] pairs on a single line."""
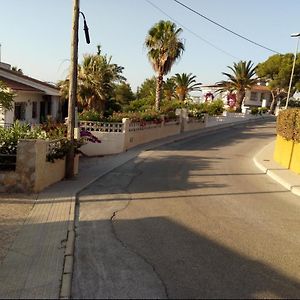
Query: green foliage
{"points": [[90, 115], [149, 115], [147, 89], [140, 104], [288, 124], [185, 83], [254, 111], [215, 107], [123, 93], [97, 76], [6, 97], [242, 78], [164, 49], [9, 137]]}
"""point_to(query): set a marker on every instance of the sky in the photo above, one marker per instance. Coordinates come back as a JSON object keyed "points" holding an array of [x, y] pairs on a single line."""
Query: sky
{"points": [[35, 35]]}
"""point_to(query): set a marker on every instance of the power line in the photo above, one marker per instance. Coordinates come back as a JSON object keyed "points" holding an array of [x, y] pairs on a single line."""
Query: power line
{"points": [[223, 27], [195, 34]]}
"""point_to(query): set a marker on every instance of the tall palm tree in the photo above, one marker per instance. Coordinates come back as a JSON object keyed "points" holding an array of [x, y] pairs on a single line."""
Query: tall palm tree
{"points": [[169, 88], [185, 83], [241, 80], [164, 48]]}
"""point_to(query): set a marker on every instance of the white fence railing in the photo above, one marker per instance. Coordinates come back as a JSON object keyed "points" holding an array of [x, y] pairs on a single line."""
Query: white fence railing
{"points": [[101, 126]]}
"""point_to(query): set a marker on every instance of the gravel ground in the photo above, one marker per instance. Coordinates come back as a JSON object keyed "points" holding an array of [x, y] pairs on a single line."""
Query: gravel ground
{"points": [[14, 210]]}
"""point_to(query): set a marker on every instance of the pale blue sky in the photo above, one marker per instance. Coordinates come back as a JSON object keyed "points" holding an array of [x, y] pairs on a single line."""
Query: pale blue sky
{"points": [[35, 34]]}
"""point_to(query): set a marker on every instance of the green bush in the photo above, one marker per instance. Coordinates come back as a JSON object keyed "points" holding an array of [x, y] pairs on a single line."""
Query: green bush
{"points": [[90, 115], [263, 110], [288, 124], [9, 137], [254, 111], [215, 107]]}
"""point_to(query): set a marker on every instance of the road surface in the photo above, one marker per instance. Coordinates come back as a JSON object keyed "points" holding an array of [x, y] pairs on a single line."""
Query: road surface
{"points": [[192, 219]]}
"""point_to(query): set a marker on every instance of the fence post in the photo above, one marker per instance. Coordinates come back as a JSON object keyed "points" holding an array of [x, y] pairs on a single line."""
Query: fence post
{"points": [[125, 132]]}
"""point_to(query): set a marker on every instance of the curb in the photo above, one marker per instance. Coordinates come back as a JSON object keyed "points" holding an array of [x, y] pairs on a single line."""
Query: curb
{"points": [[295, 189], [68, 267]]}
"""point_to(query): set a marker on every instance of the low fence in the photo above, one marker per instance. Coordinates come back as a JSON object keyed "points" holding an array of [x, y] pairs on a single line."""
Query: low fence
{"points": [[119, 137]]}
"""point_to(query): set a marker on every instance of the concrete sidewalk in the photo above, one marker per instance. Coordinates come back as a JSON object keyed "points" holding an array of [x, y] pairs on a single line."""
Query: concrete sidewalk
{"points": [[40, 261], [265, 162]]}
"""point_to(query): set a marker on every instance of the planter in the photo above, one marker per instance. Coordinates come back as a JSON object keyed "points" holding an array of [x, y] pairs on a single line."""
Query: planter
{"points": [[283, 151], [295, 160]]}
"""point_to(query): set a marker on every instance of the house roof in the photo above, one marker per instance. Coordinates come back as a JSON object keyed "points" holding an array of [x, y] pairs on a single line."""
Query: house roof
{"points": [[260, 88], [16, 73], [18, 86], [18, 81]]}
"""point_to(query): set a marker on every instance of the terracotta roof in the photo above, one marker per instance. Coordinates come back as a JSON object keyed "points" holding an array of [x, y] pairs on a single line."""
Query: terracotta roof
{"points": [[260, 88], [29, 78], [17, 86]]}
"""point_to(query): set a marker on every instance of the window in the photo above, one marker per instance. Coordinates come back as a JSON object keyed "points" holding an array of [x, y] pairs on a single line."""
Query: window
{"points": [[20, 111], [253, 96], [34, 110]]}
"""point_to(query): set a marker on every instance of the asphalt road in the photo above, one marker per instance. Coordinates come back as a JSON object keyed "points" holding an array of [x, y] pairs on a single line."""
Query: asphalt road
{"points": [[193, 219]]}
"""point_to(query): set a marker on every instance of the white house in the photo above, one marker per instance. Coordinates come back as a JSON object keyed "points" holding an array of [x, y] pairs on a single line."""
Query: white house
{"points": [[253, 97], [35, 100]]}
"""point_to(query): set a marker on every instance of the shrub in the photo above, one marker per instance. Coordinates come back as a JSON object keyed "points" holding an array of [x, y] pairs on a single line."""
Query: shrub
{"points": [[215, 107], [288, 124], [90, 115], [254, 111]]}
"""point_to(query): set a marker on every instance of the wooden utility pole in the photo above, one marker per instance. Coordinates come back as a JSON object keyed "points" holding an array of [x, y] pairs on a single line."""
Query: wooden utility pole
{"points": [[72, 89]]}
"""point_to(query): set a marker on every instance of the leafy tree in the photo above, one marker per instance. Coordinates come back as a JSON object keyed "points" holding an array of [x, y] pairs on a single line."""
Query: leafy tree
{"points": [[147, 89], [164, 49], [169, 88], [6, 97], [276, 70], [123, 93], [185, 83], [241, 80]]}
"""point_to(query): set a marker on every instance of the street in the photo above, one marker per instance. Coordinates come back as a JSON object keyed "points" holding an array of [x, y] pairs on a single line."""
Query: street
{"points": [[192, 219]]}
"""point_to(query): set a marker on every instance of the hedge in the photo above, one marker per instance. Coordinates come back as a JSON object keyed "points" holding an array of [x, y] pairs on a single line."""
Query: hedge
{"points": [[288, 124]]}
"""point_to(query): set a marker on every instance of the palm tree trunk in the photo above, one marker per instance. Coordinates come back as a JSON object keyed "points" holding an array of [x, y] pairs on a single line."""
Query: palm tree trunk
{"points": [[240, 95], [159, 83], [274, 103]]}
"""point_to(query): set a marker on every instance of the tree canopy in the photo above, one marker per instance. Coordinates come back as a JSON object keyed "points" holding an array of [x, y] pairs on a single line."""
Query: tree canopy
{"points": [[276, 70], [6, 97]]}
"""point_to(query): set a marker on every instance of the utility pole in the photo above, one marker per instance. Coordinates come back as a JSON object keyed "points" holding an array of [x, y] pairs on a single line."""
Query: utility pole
{"points": [[72, 90]]}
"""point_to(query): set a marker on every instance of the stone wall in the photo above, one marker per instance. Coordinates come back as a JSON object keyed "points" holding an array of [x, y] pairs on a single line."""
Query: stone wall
{"points": [[33, 173]]}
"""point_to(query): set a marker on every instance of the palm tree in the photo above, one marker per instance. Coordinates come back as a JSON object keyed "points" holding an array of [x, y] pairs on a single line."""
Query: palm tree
{"points": [[164, 48], [185, 83], [169, 88], [97, 77], [241, 80]]}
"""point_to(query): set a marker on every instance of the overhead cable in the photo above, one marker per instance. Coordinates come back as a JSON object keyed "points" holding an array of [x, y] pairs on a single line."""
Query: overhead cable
{"points": [[195, 34], [225, 28]]}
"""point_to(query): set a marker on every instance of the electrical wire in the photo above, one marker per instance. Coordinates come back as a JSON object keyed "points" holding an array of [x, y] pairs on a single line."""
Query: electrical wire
{"points": [[192, 32], [223, 27]]}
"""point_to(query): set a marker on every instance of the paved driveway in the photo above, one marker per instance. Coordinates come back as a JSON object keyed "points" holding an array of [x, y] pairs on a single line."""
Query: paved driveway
{"points": [[194, 219]]}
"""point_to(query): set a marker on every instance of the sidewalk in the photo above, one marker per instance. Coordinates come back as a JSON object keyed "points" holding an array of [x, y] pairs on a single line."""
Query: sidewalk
{"points": [[40, 262], [265, 162]]}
